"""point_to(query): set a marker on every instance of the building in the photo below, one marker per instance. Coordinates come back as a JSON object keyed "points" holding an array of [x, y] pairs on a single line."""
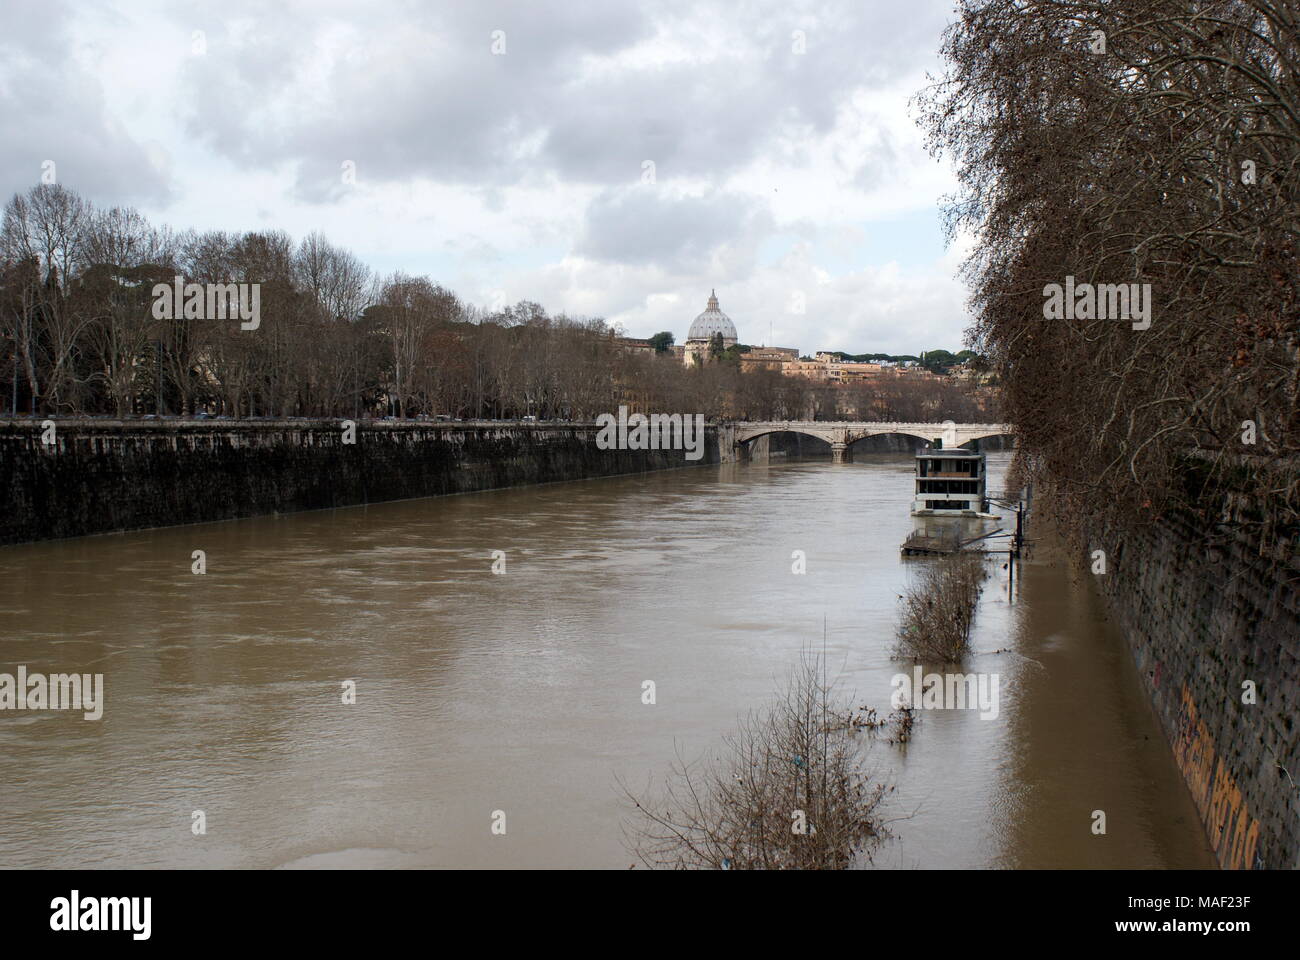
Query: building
{"points": [[809, 369], [712, 321], [768, 358], [949, 482], [633, 345], [847, 371], [829, 368]]}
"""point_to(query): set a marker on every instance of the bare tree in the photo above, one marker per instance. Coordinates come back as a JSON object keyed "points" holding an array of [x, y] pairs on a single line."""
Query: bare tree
{"points": [[788, 792], [46, 226], [123, 257], [938, 609], [1153, 144]]}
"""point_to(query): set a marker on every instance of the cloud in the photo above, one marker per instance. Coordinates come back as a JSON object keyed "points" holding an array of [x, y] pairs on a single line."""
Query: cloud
{"points": [[53, 110], [520, 174], [650, 225], [585, 93]]}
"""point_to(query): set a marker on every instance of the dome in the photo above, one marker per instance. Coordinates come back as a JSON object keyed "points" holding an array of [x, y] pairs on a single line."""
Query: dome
{"points": [[712, 321]]}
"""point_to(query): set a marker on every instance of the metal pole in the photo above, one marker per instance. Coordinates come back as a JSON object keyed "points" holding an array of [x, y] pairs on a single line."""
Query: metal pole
{"points": [[157, 400], [1016, 545]]}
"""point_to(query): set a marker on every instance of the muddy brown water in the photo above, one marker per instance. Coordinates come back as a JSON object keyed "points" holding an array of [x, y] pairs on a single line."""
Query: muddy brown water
{"points": [[521, 692]]}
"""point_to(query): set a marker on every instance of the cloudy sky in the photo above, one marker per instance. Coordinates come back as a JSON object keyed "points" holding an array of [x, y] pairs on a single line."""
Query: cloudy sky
{"points": [[614, 159]]}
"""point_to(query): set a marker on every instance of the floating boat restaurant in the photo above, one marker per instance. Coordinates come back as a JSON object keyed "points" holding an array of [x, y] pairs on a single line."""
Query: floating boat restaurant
{"points": [[950, 483]]}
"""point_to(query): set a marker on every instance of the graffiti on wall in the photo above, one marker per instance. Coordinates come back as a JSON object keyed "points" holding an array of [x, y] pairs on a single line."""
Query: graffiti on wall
{"points": [[1233, 833]]}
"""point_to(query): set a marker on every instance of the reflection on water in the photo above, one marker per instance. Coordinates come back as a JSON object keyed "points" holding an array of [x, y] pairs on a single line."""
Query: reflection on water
{"points": [[521, 692]]}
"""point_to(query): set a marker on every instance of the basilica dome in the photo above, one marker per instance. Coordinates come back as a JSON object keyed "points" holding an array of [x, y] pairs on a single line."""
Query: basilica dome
{"points": [[712, 321]]}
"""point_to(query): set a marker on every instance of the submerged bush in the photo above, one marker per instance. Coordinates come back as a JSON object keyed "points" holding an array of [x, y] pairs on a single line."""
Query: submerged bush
{"points": [[939, 609], [786, 793]]}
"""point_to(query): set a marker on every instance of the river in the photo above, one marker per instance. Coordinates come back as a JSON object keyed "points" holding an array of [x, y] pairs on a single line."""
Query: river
{"points": [[521, 691]]}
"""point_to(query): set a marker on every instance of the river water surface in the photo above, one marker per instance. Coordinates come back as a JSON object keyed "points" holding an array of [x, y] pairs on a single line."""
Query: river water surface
{"points": [[521, 692]]}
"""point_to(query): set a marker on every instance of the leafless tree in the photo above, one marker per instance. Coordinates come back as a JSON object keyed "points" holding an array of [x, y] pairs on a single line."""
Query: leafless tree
{"points": [[46, 226], [938, 609], [787, 792], [1136, 142], [123, 256]]}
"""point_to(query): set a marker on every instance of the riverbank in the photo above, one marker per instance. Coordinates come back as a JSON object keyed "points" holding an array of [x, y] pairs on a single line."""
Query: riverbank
{"points": [[1214, 632], [84, 477]]}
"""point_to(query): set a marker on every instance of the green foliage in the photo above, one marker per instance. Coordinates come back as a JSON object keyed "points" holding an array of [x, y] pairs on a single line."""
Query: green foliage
{"points": [[662, 341]]}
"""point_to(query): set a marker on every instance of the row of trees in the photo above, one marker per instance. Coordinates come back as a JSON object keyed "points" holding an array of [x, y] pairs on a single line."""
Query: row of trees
{"points": [[720, 389], [936, 361], [334, 339], [1136, 142]]}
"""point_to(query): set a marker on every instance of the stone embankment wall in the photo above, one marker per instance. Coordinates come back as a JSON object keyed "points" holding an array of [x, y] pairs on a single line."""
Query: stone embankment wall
{"points": [[100, 476], [1215, 631]]}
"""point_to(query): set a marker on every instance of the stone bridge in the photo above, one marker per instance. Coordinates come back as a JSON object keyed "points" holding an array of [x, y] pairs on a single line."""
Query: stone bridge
{"points": [[842, 434]]}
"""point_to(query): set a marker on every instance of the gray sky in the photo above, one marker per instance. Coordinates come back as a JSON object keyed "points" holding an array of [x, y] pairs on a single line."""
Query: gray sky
{"points": [[780, 178]]}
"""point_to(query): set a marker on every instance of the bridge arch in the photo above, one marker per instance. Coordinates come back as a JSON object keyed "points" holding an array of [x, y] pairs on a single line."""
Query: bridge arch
{"points": [[743, 437], [857, 436], [972, 443], [746, 440]]}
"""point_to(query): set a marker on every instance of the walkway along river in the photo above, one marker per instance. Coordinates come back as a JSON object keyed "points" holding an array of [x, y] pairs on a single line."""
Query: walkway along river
{"points": [[521, 691]]}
